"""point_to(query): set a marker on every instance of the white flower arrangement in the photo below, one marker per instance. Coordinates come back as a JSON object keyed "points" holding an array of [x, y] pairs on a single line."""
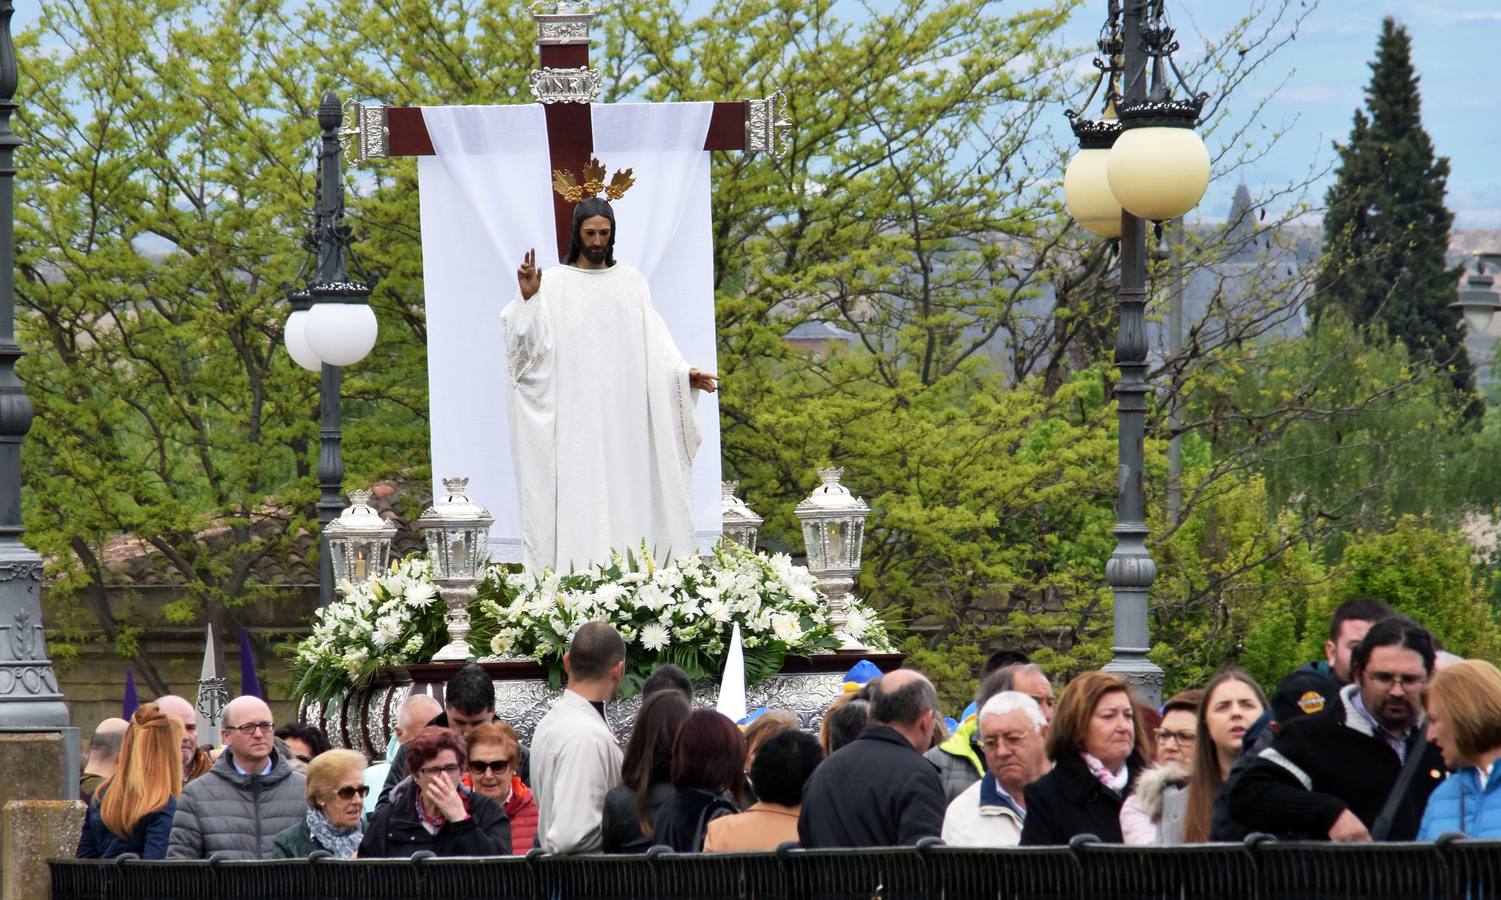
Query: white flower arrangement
{"points": [[682, 613], [390, 620]]}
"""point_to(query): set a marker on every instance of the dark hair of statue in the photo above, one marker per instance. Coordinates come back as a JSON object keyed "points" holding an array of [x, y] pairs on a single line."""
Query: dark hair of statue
{"points": [[587, 209]]}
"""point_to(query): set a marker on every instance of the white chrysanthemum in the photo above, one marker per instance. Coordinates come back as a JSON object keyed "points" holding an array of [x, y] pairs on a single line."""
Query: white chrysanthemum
{"points": [[803, 593], [387, 630], [608, 596], [421, 593], [654, 637], [855, 624], [717, 611], [786, 627]]}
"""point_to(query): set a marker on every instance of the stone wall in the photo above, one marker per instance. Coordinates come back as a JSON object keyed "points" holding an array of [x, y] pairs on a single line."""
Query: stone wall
{"points": [[94, 684]]}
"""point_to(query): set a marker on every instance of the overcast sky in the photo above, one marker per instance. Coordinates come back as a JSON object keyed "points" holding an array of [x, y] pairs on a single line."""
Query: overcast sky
{"points": [[1456, 48]]}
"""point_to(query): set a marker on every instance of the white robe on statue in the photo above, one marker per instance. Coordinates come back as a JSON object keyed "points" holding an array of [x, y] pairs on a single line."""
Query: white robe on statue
{"points": [[601, 420]]}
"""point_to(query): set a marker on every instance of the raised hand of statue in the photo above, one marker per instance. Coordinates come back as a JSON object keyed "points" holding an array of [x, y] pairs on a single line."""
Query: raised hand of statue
{"points": [[528, 276], [707, 382]]}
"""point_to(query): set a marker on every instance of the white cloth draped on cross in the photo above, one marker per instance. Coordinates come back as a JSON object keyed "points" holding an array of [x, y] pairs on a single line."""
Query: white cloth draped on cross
{"points": [[485, 200]]}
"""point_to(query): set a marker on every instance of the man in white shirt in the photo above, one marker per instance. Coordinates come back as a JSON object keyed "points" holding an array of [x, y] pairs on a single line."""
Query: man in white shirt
{"points": [[575, 760], [989, 813]]}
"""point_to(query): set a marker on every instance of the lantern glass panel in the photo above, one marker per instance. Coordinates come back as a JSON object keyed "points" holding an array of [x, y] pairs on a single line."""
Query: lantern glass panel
{"points": [[839, 533], [856, 541], [818, 559], [437, 551], [338, 553]]}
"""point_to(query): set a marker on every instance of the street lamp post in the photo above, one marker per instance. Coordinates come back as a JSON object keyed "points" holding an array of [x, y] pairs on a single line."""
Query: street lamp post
{"points": [[1143, 158], [331, 324], [29, 695]]}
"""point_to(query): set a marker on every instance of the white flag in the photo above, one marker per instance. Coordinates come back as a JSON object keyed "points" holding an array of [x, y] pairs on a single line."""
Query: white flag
{"points": [[732, 685]]}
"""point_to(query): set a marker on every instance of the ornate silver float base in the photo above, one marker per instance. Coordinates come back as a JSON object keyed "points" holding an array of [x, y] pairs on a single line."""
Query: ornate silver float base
{"points": [[523, 703]]}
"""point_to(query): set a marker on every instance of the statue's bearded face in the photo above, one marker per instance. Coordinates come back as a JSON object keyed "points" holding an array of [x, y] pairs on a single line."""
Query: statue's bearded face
{"points": [[594, 238]]}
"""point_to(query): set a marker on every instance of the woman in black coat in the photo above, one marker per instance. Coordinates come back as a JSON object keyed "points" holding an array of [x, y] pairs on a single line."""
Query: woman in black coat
{"points": [[432, 810], [708, 768], [1098, 749], [646, 774]]}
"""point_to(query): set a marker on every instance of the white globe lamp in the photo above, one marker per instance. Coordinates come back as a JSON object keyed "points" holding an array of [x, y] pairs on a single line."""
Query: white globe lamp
{"points": [[340, 333]]}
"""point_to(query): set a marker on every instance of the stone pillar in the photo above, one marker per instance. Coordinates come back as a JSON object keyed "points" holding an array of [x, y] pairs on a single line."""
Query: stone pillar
{"points": [[35, 831]]}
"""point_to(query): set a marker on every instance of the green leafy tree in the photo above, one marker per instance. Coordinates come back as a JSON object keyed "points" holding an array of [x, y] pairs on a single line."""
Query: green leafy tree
{"points": [[1425, 572], [1386, 228], [164, 188]]}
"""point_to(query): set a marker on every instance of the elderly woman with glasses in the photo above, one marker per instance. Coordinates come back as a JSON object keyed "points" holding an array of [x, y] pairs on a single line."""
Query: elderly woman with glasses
{"points": [[494, 757], [431, 809], [336, 802]]}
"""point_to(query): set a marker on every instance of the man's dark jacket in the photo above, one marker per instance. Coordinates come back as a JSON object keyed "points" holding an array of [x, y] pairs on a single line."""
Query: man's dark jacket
{"points": [[1070, 801], [876, 791], [398, 770], [394, 831], [1321, 765]]}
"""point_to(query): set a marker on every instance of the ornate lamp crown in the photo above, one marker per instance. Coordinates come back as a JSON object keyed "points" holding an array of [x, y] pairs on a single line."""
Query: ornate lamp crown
{"points": [[573, 190]]}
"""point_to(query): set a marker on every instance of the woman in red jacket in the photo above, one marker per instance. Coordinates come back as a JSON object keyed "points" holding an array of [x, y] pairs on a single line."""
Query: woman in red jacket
{"points": [[494, 755]]}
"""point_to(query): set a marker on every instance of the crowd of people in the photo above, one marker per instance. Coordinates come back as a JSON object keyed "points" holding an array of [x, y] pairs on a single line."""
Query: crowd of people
{"points": [[1385, 738]]}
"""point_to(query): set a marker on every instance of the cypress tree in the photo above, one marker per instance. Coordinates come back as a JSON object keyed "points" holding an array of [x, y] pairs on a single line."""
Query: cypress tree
{"points": [[1386, 228]]}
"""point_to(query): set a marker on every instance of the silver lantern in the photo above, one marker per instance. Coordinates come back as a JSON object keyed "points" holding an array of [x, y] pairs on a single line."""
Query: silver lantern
{"points": [[833, 522], [740, 523], [457, 531], [359, 541]]}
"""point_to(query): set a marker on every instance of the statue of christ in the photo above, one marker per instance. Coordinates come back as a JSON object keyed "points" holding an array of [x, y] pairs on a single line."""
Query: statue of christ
{"points": [[601, 407]]}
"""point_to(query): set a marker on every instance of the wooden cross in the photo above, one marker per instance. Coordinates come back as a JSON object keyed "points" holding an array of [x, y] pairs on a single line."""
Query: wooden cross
{"points": [[565, 85]]}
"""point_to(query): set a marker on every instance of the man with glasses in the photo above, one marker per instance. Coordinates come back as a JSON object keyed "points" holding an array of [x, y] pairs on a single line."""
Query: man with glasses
{"points": [[1013, 734], [958, 759], [1360, 770], [250, 795]]}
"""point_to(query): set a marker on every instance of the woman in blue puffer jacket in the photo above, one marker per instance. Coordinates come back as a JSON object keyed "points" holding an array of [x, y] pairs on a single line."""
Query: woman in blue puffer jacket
{"points": [[1464, 720]]}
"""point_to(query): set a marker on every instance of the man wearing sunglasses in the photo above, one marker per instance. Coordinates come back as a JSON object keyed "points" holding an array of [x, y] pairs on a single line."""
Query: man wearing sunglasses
{"points": [[250, 794]]}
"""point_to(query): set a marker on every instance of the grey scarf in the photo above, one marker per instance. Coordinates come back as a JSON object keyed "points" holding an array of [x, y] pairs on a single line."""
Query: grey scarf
{"points": [[342, 844]]}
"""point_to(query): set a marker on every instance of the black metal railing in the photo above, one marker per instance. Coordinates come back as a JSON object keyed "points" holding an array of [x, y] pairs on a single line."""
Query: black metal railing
{"points": [[1259, 868]]}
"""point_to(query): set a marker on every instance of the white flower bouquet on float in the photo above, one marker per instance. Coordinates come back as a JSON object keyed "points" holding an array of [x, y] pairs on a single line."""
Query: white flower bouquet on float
{"points": [[682, 613], [391, 620]]}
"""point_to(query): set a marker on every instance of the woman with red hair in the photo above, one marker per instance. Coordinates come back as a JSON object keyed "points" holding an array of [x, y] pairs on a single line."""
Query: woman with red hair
{"points": [[132, 810], [432, 809]]}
